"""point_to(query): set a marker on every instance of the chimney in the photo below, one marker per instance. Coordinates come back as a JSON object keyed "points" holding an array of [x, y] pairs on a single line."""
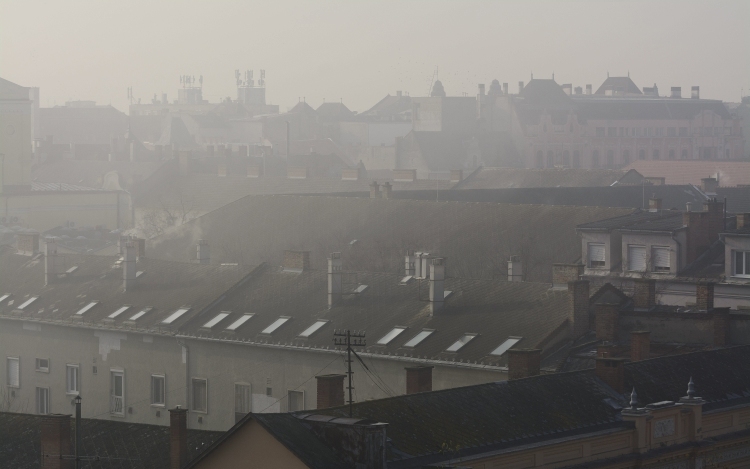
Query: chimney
{"points": [[425, 260], [704, 296], [55, 436], [330, 390], [418, 265], [606, 321], [523, 362], [437, 285], [140, 248], [568, 88], [50, 261], [640, 345], [296, 261], [418, 379], [399, 94], [589, 89], [27, 244], [579, 308], [520, 87], [721, 322], [409, 263], [128, 266], [505, 89], [644, 293], [676, 92], [695, 92], [481, 89], [334, 279], [387, 188], [654, 204], [743, 220], [709, 185], [579, 90], [564, 273], [612, 372], [374, 190], [689, 207], [204, 252], [457, 175], [178, 449], [514, 269]]}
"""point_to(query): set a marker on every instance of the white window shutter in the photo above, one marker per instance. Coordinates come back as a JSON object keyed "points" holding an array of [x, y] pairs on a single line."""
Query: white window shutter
{"points": [[636, 258], [13, 372], [661, 258], [596, 253]]}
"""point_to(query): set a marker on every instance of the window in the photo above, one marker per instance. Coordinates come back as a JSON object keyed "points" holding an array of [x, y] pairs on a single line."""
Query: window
{"points": [[636, 258], [509, 342], [600, 131], [576, 159], [741, 263], [117, 393], [140, 314], [550, 159], [683, 131], [457, 345], [597, 257], [671, 132], [610, 158], [275, 325], [659, 131], [81, 311], [269, 392], [216, 320], [176, 315], [242, 401], [42, 401], [71, 379], [296, 401], [158, 388], [313, 329], [4, 297], [119, 311], [595, 159], [242, 320], [42, 365], [27, 302], [391, 335], [14, 372], [417, 339], [200, 395], [660, 259]]}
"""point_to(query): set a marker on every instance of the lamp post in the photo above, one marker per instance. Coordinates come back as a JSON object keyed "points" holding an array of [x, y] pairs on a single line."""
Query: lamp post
{"points": [[78, 431]]}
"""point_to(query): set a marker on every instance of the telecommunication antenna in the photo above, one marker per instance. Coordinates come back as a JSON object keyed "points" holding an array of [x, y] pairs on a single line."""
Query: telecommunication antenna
{"points": [[349, 339]]}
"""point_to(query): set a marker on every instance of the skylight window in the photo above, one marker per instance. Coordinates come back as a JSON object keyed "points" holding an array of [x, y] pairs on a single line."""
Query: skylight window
{"points": [[406, 280], [236, 324], [28, 302], [457, 345], [72, 269], [140, 314], [86, 308], [216, 320], [119, 311], [391, 335], [4, 297], [275, 325], [509, 342], [417, 339], [174, 316], [360, 289], [313, 329]]}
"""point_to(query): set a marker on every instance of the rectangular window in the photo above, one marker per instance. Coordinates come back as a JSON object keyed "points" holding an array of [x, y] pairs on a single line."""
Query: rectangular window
{"points": [[42, 365], [296, 401], [117, 393], [313, 329], [457, 345], [42, 401], [269, 392], [741, 263], [242, 401], [140, 314], [158, 390], [216, 320], [119, 311], [660, 259], [71, 379], [83, 310], [636, 258], [275, 325], [509, 342], [239, 322], [417, 339], [391, 335], [28, 302], [200, 395], [597, 257], [14, 372], [4, 297], [176, 315]]}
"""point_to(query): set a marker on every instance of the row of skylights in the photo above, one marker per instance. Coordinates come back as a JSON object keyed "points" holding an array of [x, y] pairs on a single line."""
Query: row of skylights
{"points": [[27, 302], [86, 308], [176, 315], [422, 335], [458, 345], [509, 342], [391, 335]]}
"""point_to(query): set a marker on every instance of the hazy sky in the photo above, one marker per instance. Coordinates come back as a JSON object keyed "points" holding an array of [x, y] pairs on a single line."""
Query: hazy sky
{"points": [[362, 50]]}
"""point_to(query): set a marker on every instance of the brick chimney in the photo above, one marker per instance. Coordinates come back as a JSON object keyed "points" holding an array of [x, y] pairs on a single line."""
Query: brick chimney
{"points": [[654, 204], [203, 252], [703, 228], [721, 322], [334, 279], [523, 362], [564, 273], [330, 390], [515, 273], [704, 296], [579, 308], [51, 265], [611, 371], [709, 185], [374, 190], [409, 264], [437, 285], [128, 266], [178, 449], [607, 315], [644, 293], [387, 189], [296, 261], [27, 243], [55, 434], [418, 379], [640, 345]]}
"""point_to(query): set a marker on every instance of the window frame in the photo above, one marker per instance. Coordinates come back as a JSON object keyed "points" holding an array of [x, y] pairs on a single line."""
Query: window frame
{"points": [[193, 382], [38, 401], [18, 372], [113, 372], [391, 335], [68, 390], [163, 378], [289, 400], [40, 369], [661, 269], [469, 336], [589, 262], [745, 260], [628, 265]]}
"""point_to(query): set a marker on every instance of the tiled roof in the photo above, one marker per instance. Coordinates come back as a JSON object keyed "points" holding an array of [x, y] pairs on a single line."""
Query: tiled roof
{"points": [[622, 84], [640, 220], [502, 178], [163, 286], [120, 445], [91, 173], [738, 198], [730, 173], [476, 238], [59, 187], [390, 107], [646, 108], [334, 111]]}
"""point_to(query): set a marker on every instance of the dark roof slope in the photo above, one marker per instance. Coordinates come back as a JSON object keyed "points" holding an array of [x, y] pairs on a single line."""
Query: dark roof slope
{"points": [[662, 220], [503, 178], [121, 445], [647, 108], [546, 94], [618, 85], [334, 112], [395, 108]]}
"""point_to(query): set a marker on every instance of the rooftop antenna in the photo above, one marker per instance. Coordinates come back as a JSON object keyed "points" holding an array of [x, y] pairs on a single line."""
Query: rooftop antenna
{"points": [[349, 339]]}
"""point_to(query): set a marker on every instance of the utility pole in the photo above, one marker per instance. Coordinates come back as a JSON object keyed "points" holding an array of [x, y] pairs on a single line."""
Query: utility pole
{"points": [[78, 431], [349, 339]]}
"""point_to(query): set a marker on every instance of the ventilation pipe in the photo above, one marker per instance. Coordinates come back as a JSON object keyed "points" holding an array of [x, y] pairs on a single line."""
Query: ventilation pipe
{"points": [[334, 279], [437, 285]]}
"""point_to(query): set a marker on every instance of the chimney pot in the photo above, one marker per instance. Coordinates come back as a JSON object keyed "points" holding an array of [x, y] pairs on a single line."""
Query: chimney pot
{"points": [[418, 379], [695, 92], [654, 204], [178, 450], [709, 185], [330, 390], [676, 92], [374, 190], [523, 363], [589, 89], [612, 372], [387, 189]]}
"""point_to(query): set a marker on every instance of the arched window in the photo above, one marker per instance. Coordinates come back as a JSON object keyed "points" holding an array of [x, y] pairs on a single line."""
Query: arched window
{"points": [[671, 154], [656, 154], [566, 158], [626, 157], [641, 154], [550, 159], [595, 159], [539, 159], [576, 159]]}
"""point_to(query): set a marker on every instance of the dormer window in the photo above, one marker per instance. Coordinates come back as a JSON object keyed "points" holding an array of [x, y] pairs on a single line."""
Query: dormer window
{"points": [[596, 255]]}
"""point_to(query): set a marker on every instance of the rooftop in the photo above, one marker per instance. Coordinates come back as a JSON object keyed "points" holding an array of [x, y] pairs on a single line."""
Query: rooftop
{"points": [[503, 178], [728, 173]]}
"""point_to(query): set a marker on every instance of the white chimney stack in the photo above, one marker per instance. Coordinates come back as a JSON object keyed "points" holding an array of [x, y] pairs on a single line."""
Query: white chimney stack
{"points": [[50, 261], [515, 273], [334, 279], [426, 271], [128, 266], [437, 284], [418, 265], [409, 263], [204, 252]]}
